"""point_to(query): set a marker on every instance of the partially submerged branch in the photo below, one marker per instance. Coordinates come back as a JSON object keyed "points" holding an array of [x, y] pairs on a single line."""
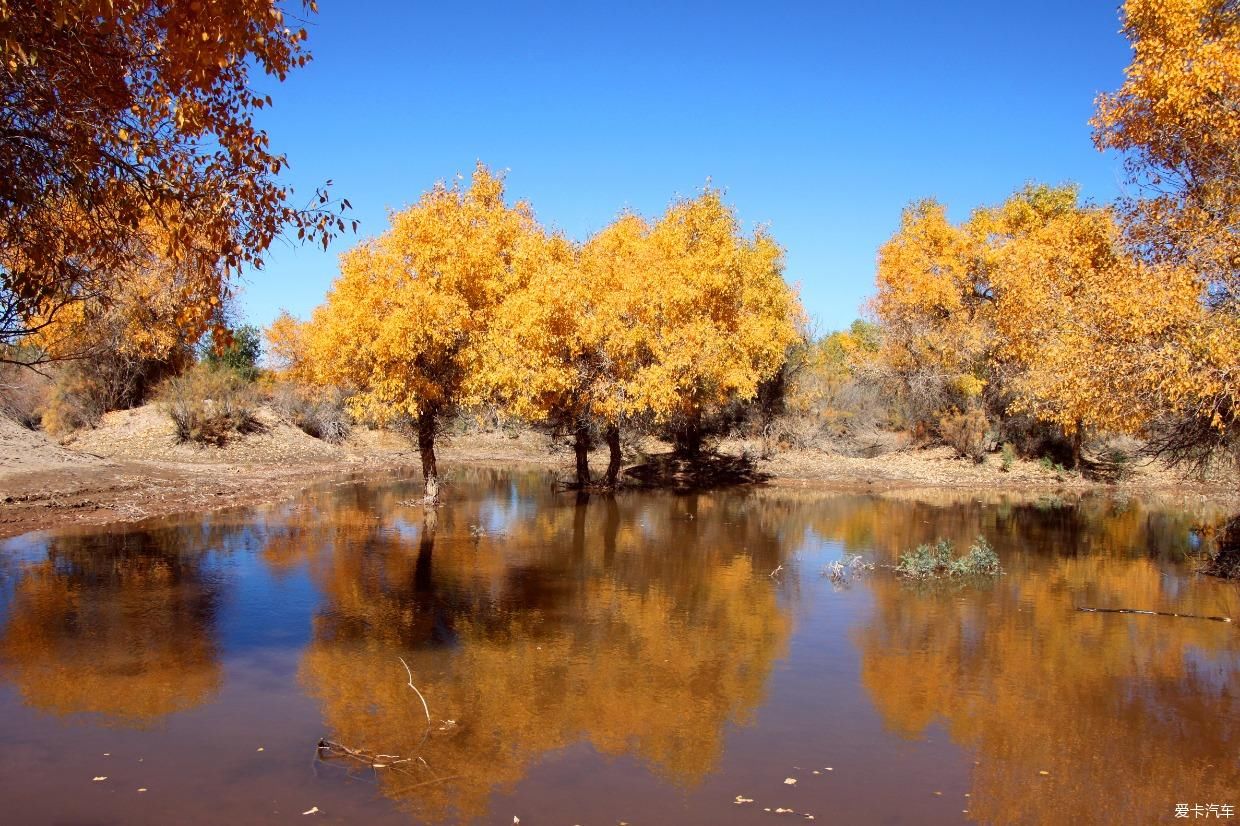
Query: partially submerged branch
{"points": [[1152, 613]]}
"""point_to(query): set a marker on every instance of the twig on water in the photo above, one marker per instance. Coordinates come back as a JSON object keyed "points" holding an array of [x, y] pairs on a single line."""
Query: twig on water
{"points": [[376, 760], [425, 707], [1152, 613]]}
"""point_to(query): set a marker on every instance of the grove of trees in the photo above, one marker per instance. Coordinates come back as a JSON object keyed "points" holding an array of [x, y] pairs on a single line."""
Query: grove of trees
{"points": [[136, 184], [466, 300], [1111, 319]]}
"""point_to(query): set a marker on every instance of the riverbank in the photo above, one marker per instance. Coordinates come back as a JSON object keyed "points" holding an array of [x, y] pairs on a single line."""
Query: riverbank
{"points": [[131, 467]]}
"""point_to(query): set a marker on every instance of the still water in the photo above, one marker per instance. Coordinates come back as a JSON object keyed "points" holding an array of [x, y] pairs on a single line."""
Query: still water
{"points": [[624, 659]]}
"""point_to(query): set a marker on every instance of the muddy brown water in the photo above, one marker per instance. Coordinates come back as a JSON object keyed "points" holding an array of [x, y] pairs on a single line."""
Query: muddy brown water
{"points": [[622, 659]]}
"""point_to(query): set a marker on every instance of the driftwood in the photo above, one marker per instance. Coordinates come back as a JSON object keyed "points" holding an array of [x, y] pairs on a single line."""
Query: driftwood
{"points": [[376, 760], [1152, 613]]}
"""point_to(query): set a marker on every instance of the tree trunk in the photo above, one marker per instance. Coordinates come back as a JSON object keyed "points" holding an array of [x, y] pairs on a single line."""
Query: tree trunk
{"points": [[613, 445], [1077, 435], [581, 447], [426, 447], [688, 435]]}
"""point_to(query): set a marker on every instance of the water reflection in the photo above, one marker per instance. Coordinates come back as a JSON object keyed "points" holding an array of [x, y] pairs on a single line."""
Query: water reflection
{"points": [[577, 622], [118, 625], [646, 626], [1127, 715]]}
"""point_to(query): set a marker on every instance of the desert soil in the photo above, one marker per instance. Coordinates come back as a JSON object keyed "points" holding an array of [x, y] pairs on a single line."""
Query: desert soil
{"points": [[132, 467]]}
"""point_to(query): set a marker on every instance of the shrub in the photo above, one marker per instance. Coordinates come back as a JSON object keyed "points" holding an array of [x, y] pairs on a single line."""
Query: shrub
{"points": [[318, 412], [965, 432], [238, 350], [85, 389], [981, 560], [939, 560], [23, 395], [209, 405], [1008, 454], [1051, 466], [926, 561]]}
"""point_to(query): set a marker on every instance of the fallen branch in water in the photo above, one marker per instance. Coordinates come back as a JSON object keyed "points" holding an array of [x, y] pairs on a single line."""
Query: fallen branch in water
{"points": [[1152, 613], [372, 759], [425, 707], [377, 760]]}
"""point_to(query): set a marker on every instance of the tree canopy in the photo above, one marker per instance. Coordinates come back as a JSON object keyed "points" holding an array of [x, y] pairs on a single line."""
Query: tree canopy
{"points": [[119, 116]]}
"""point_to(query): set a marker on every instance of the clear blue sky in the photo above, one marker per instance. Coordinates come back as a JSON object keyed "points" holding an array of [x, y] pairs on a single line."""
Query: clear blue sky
{"points": [[820, 120]]}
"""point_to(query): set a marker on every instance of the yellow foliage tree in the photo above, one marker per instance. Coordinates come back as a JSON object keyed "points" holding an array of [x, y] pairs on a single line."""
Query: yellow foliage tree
{"points": [[548, 355], [402, 322], [1040, 300], [1176, 117], [664, 320], [287, 344], [709, 316], [118, 345], [935, 304]]}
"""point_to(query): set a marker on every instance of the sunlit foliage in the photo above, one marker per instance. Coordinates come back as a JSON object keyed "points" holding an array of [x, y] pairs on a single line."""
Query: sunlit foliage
{"points": [[1039, 305], [401, 323], [116, 114], [712, 316], [1177, 119]]}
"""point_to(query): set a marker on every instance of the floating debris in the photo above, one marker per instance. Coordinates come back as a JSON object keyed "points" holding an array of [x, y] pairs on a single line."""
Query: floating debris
{"points": [[312, 810], [97, 779], [790, 781], [740, 800]]}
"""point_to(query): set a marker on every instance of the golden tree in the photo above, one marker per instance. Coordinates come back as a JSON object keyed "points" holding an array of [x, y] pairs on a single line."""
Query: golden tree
{"points": [[116, 113], [1177, 117], [402, 322], [556, 348], [1039, 303], [935, 304], [709, 316]]}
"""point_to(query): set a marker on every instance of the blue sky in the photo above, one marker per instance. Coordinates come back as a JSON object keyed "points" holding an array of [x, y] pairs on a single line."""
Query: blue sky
{"points": [[820, 120]]}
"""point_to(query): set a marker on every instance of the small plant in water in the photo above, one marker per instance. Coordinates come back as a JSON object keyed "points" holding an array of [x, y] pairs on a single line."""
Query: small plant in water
{"points": [[841, 571], [939, 560]]}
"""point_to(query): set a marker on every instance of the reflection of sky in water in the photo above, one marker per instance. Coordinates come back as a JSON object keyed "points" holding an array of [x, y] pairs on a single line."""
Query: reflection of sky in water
{"points": [[630, 653]]}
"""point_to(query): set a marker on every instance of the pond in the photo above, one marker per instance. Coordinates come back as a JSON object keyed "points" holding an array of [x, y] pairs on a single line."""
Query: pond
{"points": [[645, 658]]}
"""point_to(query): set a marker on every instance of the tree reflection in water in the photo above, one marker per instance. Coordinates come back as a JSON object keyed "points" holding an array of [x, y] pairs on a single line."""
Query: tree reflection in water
{"points": [[116, 624], [1127, 715], [641, 626]]}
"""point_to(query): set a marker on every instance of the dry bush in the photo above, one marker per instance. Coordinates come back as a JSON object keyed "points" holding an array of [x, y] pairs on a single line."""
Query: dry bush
{"points": [[209, 405], [966, 432], [318, 412], [23, 394], [84, 389]]}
